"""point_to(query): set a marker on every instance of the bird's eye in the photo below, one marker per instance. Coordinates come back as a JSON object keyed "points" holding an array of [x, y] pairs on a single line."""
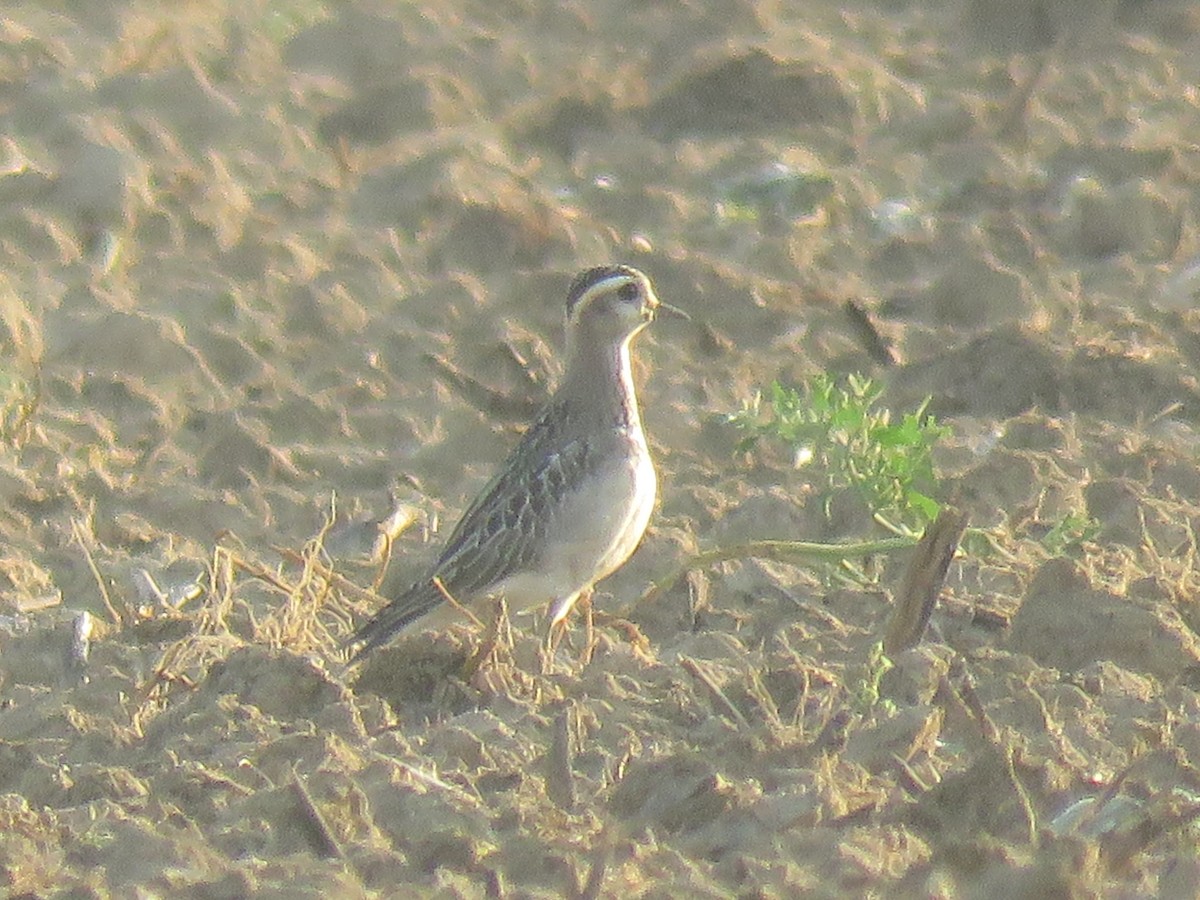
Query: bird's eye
{"points": [[628, 292]]}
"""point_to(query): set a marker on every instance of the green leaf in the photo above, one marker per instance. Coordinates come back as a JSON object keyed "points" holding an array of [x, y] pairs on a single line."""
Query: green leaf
{"points": [[850, 441]]}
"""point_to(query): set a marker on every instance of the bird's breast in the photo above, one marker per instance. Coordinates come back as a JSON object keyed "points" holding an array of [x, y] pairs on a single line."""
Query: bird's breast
{"points": [[594, 530]]}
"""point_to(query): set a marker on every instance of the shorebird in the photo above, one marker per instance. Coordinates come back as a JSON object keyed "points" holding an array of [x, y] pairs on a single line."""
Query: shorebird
{"points": [[570, 504]]}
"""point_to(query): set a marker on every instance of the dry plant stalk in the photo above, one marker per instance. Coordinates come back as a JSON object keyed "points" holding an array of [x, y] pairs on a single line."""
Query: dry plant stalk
{"points": [[698, 671], [560, 764], [313, 823], [81, 539], [865, 330], [297, 623], [923, 580]]}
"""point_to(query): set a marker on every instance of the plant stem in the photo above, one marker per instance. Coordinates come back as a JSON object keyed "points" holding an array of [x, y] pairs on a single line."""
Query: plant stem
{"points": [[780, 551]]}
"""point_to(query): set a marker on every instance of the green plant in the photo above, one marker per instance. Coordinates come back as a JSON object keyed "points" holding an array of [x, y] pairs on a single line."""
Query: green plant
{"points": [[1069, 532], [864, 686], [841, 430]]}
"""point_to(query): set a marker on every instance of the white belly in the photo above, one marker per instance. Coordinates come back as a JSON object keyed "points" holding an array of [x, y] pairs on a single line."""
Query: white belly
{"points": [[593, 536]]}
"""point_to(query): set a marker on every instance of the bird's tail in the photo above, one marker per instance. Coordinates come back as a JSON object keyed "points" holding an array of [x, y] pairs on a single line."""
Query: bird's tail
{"points": [[393, 618]]}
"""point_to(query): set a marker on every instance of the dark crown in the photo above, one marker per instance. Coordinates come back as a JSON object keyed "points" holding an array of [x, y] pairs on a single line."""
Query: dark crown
{"points": [[588, 279]]}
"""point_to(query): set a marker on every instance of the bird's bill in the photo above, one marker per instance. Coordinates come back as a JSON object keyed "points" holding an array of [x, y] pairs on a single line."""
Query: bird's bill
{"points": [[661, 307]]}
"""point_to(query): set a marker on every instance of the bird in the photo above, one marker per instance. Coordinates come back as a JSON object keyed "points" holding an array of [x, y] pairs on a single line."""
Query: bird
{"points": [[570, 504]]}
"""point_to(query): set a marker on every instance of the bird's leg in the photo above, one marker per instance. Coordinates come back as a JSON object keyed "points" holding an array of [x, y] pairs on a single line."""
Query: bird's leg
{"points": [[497, 637], [554, 632], [558, 626], [589, 626]]}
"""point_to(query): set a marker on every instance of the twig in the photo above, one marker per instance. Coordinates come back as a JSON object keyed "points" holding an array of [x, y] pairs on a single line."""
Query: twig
{"points": [[877, 346], [1027, 810], [261, 573], [923, 581], [319, 568], [315, 826], [428, 779], [964, 688], [77, 529], [560, 764], [912, 783], [696, 671]]}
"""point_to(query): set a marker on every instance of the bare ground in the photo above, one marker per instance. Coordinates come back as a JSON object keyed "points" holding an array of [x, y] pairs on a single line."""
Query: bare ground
{"points": [[266, 261]]}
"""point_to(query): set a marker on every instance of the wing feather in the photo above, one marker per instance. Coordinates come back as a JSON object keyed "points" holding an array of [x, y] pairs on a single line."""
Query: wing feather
{"points": [[501, 531]]}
